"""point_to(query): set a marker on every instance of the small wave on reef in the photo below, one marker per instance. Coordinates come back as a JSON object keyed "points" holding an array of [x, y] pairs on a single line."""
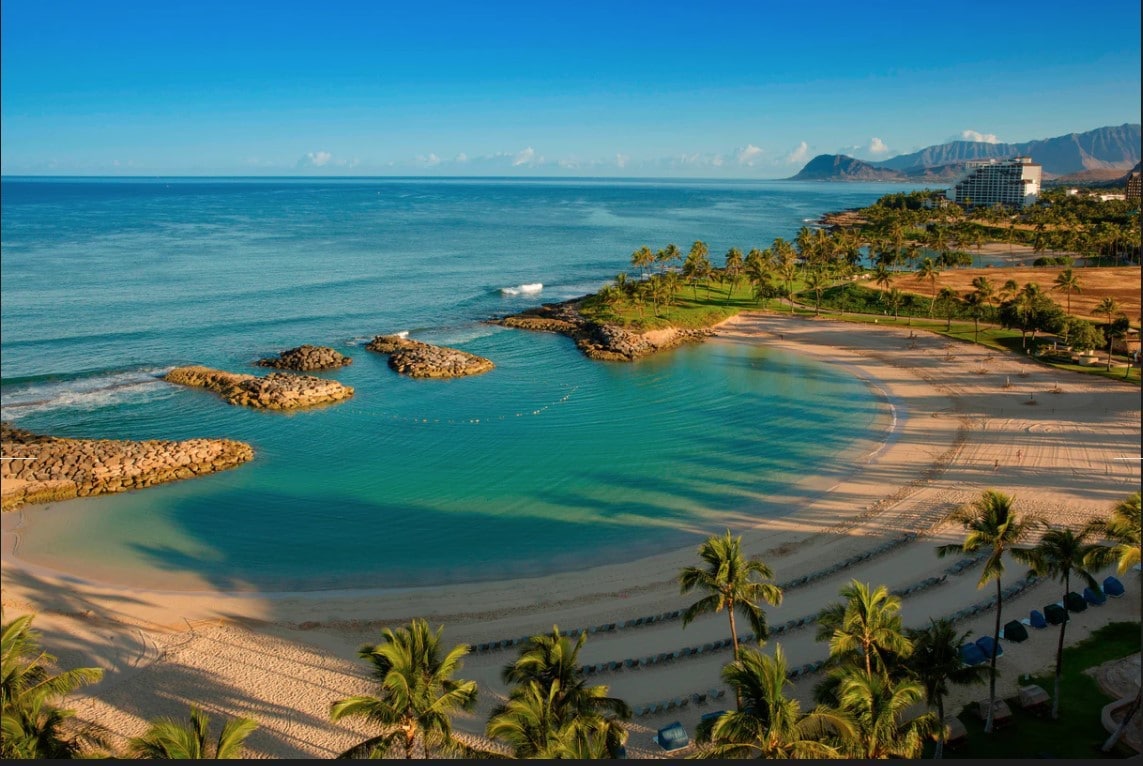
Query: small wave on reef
{"points": [[529, 289], [86, 393]]}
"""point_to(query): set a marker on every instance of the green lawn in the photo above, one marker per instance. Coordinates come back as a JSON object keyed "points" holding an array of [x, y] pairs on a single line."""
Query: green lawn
{"points": [[1078, 733]]}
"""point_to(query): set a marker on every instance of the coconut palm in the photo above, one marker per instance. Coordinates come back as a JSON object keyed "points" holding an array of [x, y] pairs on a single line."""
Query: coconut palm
{"points": [[29, 692], [975, 303], [867, 624], [991, 524], [733, 268], [417, 692], [895, 299], [733, 583], [931, 271], [668, 254], [167, 739], [1060, 554], [816, 281], [1067, 281], [948, 298], [697, 266], [771, 725], [936, 663], [642, 259], [883, 277], [1123, 531], [1110, 307], [874, 705], [551, 710]]}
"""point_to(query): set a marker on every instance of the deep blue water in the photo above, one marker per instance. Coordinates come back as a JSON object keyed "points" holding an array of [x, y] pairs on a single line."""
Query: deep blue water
{"points": [[549, 462]]}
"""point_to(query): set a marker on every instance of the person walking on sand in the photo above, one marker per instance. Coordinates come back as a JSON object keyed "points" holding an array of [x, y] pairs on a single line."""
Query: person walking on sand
{"points": [[996, 465]]}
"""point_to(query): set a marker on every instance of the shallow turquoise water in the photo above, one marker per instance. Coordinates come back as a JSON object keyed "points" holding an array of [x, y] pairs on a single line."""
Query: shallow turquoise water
{"points": [[550, 462]]}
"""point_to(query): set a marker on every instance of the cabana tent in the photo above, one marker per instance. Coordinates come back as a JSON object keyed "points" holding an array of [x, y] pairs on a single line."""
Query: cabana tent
{"points": [[1055, 614], [1112, 587], [1015, 631], [673, 737], [1074, 602]]}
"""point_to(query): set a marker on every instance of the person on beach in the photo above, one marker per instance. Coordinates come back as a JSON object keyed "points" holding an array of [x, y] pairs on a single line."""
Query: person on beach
{"points": [[996, 465]]}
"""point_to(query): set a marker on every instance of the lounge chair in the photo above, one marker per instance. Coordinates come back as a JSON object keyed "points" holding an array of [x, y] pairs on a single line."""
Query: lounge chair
{"points": [[1036, 619], [985, 645], [1094, 597], [1112, 587]]}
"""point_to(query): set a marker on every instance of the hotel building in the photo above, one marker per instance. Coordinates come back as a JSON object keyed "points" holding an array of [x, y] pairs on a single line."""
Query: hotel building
{"points": [[1013, 183]]}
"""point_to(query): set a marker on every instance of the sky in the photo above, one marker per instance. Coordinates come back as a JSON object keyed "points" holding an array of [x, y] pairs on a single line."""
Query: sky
{"points": [[717, 89]]}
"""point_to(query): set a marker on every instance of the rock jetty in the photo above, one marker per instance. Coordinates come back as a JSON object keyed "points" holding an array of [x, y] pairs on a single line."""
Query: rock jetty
{"points": [[276, 391], [307, 359], [600, 341], [50, 468], [424, 360]]}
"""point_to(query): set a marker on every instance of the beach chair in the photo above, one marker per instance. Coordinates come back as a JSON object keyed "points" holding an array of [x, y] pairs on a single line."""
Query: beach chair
{"points": [[1074, 602], [717, 694], [673, 737], [985, 644], [1112, 587], [1036, 619], [1094, 597]]}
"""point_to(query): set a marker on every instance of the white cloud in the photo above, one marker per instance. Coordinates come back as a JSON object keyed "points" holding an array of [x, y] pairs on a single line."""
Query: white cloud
{"points": [[799, 154], [431, 160], [316, 159], [877, 146], [526, 157], [747, 155], [462, 157], [972, 135], [621, 160]]}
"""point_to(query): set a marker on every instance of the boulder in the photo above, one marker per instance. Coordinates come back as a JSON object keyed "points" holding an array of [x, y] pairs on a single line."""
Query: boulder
{"points": [[424, 360], [307, 358], [276, 391]]}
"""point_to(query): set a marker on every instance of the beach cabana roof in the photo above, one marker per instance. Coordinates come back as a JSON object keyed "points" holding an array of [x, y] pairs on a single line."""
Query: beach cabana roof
{"points": [[1055, 614], [970, 654], [1074, 602], [1094, 597], [1112, 587], [673, 737], [1036, 619], [985, 645], [1015, 631]]}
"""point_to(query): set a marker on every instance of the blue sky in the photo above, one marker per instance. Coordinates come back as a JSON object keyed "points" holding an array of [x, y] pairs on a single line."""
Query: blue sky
{"points": [[702, 89]]}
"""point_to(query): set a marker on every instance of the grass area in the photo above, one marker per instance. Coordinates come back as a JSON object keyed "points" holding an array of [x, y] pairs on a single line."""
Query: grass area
{"points": [[1078, 733], [703, 305]]}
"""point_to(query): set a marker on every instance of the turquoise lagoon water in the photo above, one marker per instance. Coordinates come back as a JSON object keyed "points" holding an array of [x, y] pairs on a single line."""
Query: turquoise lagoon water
{"points": [[550, 462]]}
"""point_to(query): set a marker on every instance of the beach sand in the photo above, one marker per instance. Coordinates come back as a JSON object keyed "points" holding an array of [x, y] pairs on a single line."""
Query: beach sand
{"points": [[967, 419]]}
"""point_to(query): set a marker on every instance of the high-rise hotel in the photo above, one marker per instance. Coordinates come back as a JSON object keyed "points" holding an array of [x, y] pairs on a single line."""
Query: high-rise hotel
{"points": [[1014, 183]]}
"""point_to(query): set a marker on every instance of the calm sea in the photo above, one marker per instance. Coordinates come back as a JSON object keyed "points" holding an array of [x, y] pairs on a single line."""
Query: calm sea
{"points": [[548, 463]]}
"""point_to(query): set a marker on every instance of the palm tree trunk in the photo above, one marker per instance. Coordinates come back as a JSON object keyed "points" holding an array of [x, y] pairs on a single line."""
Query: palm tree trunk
{"points": [[1060, 657], [992, 667], [939, 750], [1131, 711], [734, 643]]}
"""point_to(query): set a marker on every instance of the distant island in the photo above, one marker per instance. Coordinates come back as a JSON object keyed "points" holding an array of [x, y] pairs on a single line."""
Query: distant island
{"points": [[1103, 154]]}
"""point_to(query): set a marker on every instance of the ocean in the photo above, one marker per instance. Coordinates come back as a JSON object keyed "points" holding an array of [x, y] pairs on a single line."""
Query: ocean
{"points": [[548, 463]]}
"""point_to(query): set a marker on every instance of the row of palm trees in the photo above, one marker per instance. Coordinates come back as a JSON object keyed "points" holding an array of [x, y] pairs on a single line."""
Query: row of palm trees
{"points": [[876, 671]]}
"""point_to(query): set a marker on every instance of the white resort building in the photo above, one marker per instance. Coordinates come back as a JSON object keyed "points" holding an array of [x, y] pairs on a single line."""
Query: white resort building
{"points": [[1014, 183]]}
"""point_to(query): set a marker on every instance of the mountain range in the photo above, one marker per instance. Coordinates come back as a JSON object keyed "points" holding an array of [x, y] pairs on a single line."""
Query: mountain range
{"points": [[1098, 155]]}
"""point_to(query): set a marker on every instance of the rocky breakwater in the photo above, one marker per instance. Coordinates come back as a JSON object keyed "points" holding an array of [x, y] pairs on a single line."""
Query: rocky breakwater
{"points": [[307, 359], [597, 340], [424, 360], [47, 468], [276, 391]]}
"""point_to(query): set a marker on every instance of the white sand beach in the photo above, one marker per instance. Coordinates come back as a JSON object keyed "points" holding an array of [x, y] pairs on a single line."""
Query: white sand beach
{"points": [[1066, 446]]}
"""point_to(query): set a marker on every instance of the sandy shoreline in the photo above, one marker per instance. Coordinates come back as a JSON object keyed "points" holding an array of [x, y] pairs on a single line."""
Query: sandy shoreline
{"points": [[283, 658]]}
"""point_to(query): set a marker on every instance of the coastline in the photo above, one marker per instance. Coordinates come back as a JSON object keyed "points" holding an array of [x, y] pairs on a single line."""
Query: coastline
{"points": [[283, 657]]}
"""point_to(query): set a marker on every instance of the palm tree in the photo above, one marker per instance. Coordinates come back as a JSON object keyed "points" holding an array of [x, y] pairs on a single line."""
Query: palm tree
{"points": [[170, 740], [949, 299], [974, 302], [936, 663], [895, 299], [770, 725], [990, 523], [733, 268], [551, 710], [668, 254], [642, 259], [29, 691], [930, 271], [1067, 281], [867, 623], [875, 705], [1123, 530], [1060, 554], [786, 259], [816, 281], [417, 693], [883, 277], [733, 583], [697, 265], [1108, 306]]}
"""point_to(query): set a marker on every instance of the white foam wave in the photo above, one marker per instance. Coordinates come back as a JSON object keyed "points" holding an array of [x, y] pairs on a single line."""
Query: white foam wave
{"points": [[528, 289], [85, 394]]}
